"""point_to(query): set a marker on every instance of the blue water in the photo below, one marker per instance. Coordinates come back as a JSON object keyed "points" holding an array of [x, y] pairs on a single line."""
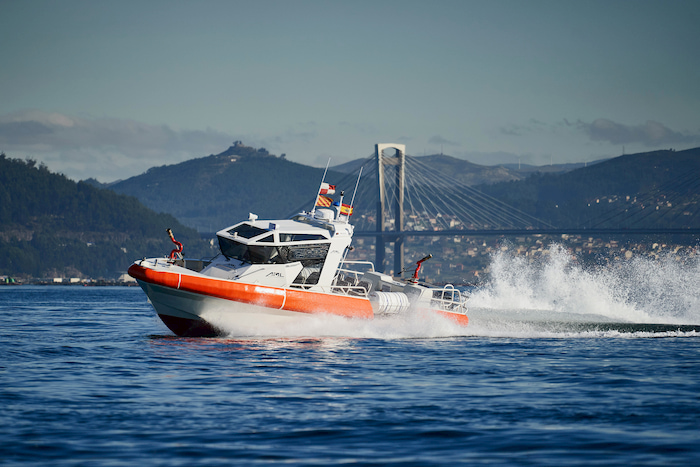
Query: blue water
{"points": [[89, 376]]}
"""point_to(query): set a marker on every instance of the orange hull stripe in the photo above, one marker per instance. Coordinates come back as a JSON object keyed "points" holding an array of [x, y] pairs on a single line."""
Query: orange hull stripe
{"points": [[457, 318], [270, 297], [310, 302], [246, 293]]}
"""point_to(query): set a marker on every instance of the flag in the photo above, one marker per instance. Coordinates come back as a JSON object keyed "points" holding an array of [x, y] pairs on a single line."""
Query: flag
{"points": [[346, 209], [327, 189], [324, 201]]}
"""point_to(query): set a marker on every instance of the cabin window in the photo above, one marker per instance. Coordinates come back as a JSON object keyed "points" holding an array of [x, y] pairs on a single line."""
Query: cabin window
{"points": [[255, 254], [308, 255], [285, 237], [247, 231], [233, 249]]}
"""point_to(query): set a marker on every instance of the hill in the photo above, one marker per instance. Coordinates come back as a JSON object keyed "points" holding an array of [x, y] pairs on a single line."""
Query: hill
{"points": [[464, 171], [474, 174], [468, 173], [51, 226], [210, 193], [528, 169], [666, 182]]}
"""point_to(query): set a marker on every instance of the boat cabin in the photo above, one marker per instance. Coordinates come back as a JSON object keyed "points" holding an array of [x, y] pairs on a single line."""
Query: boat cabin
{"points": [[309, 245]]}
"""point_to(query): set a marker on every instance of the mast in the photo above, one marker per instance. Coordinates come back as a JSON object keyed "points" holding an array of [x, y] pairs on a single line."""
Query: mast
{"points": [[320, 187]]}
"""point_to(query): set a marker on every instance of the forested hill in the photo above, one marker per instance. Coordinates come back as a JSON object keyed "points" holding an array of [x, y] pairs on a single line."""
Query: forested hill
{"points": [[210, 193], [664, 181], [51, 226]]}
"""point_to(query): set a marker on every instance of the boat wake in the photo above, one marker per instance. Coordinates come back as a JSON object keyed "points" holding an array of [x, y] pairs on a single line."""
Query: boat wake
{"points": [[551, 298], [641, 290]]}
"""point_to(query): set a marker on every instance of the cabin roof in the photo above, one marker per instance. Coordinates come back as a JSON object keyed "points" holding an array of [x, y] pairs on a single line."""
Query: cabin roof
{"points": [[300, 224]]}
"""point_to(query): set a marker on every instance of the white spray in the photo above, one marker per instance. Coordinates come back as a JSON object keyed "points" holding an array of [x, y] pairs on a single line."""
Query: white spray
{"points": [[558, 287], [554, 297]]}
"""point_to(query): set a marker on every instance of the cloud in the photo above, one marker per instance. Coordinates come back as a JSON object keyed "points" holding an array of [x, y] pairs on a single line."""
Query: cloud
{"points": [[105, 148], [532, 126], [651, 134], [59, 132], [512, 130], [437, 139]]}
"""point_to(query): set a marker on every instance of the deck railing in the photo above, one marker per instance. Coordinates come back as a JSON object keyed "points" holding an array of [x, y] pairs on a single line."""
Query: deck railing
{"points": [[449, 298]]}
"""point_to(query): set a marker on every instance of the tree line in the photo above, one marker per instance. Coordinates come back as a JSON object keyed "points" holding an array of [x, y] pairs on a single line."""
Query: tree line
{"points": [[51, 225]]}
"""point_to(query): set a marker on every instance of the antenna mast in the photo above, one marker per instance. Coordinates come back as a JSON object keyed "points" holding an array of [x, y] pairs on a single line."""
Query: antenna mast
{"points": [[318, 193]]}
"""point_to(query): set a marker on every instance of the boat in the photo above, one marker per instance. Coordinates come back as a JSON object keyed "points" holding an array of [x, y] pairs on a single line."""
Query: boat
{"points": [[272, 272]]}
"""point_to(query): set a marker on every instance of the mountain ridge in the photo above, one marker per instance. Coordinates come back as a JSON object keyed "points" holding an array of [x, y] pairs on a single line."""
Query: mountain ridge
{"points": [[212, 192], [215, 191], [473, 174], [630, 181]]}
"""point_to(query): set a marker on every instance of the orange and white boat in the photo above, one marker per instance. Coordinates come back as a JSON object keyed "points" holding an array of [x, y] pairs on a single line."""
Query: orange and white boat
{"points": [[271, 272]]}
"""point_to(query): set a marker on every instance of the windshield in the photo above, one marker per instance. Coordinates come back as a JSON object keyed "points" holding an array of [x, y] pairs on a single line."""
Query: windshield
{"points": [[258, 254], [249, 253], [247, 231]]}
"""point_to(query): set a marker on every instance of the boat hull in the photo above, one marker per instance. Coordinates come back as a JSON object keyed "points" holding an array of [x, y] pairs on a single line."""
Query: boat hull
{"points": [[191, 305], [457, 318], [189, 314]]}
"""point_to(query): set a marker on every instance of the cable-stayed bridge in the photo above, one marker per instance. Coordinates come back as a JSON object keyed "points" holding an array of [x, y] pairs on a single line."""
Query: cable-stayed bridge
{"points": [[400, 196]]}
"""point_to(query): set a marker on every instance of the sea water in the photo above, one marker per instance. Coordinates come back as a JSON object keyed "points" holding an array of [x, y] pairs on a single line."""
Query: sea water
{"points": [[561, 365]]}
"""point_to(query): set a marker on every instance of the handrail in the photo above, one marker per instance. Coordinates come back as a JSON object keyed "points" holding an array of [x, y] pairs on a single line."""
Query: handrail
{"points": [[451, 303], [350, 290], [353, 274]]}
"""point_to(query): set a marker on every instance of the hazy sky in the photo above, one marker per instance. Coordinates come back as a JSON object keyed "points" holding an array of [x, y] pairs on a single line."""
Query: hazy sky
{"points": [[107, 89]]}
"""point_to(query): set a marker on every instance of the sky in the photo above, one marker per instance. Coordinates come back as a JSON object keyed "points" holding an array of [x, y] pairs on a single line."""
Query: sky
{"points": [[109, 89]]}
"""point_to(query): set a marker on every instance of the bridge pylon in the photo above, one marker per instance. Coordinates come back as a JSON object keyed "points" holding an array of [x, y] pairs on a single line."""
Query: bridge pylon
{"points": [[398, 162]]}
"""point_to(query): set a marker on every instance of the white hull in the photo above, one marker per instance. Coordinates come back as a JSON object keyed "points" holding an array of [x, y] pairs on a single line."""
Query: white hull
{"points": [[193, 314]]}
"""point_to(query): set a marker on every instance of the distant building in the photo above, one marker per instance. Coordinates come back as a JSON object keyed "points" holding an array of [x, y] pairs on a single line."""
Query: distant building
{"points": [[126, 278]]}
